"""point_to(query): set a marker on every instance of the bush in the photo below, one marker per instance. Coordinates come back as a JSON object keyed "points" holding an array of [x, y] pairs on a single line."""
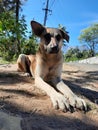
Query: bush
{"points": [[74, 54], [13, 40], [29, 46]]}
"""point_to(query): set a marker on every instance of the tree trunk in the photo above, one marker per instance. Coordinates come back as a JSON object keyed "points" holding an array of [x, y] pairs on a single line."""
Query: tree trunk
{"points": [[17, 10], [17, 20]]}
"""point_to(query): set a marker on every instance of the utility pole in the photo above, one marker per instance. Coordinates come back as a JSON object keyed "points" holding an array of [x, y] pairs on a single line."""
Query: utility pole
{"points": [[46, 12]]}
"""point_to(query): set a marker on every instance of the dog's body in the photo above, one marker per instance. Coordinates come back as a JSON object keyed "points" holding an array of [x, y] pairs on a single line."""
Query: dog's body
{"points": [[46, 67]]}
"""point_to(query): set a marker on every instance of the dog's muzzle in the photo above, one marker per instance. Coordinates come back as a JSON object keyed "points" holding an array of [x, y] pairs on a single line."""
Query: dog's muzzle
{"points": [[54, 49]]}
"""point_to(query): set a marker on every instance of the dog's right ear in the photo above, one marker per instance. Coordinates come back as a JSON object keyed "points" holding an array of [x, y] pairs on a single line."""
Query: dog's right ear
{"points": [[65, 35], [37, 28]]}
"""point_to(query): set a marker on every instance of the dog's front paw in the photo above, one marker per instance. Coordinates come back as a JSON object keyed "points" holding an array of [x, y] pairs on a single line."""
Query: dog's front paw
{"points": [[60, 102], [77, 102]]}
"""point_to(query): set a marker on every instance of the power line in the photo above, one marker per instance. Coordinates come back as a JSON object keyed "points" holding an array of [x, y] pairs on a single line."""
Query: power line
{"points": [[52, 3], [46, 12]]}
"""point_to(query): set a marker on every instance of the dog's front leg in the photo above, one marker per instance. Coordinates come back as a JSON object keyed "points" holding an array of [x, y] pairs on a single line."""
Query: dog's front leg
{"points": [[73, 99], [58, 100]]}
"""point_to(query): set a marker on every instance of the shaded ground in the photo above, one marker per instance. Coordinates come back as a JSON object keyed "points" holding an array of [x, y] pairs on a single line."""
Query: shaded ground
{"points": [[24, 107]]}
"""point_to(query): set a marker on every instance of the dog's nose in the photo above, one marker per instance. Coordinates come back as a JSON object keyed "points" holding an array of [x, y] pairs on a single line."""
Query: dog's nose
{"points": [[54, 49]]}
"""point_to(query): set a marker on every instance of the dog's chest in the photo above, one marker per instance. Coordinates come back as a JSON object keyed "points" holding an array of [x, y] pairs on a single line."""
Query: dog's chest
{"points": [[52, 72], [50, 66]]}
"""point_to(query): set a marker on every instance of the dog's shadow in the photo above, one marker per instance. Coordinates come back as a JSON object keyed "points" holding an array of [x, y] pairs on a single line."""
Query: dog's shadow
{"points": [[76, 85], [7, 78]]}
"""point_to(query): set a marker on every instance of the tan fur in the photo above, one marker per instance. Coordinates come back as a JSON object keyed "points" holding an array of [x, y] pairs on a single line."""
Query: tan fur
{"points": [[46, 67]]}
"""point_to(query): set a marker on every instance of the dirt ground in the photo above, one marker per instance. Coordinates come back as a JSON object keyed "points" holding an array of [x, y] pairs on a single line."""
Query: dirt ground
{"points": [[24, 107]]}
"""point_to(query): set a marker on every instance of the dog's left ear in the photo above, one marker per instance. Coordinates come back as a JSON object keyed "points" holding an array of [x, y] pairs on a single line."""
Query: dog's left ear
{"points": [[65, 35], [37, 28]]}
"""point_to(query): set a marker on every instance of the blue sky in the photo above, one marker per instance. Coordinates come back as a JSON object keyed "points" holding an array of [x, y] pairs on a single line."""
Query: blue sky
{"points": [[75, 15]]}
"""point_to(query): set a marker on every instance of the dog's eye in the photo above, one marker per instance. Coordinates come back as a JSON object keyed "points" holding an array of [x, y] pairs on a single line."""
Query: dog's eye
{"points": [[58, 37], [47, 37]]}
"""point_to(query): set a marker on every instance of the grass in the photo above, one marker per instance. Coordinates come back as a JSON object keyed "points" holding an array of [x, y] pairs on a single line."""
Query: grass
{"points": [[2, 61]]}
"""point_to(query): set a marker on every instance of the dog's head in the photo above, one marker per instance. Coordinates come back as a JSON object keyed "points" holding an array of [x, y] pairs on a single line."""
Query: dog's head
{"points": [[51, 38]]}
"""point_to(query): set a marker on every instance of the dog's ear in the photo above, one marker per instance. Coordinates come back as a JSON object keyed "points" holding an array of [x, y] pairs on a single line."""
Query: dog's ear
{"points": [[37, 28], [65, 35]]}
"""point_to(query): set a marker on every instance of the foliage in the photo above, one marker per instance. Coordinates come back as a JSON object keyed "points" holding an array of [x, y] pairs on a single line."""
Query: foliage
{"points": [[30, 45], [74, 54], [89, 36], [8, 31], [9, 5], [13, 39]]}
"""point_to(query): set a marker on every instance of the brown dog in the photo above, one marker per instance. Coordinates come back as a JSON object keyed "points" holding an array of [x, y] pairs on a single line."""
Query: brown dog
{"points": [[46, 67]]}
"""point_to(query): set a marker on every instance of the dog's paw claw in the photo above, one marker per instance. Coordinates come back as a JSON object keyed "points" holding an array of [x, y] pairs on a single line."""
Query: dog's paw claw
{"points": [[68, 104], [60, 102], [78, 103]]}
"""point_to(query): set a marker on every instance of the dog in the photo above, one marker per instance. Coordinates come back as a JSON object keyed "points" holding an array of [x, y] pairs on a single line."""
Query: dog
{"points": [[46, 68]]}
